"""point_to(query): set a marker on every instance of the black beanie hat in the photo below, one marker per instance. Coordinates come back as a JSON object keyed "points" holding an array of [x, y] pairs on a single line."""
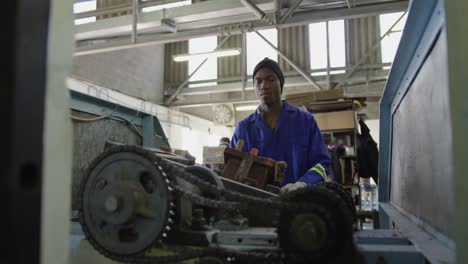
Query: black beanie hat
{"points": [[272, 65]]}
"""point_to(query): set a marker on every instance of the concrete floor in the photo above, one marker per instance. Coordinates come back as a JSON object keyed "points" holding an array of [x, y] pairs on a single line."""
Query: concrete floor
{"points": [[86, 254], [81, 251]]}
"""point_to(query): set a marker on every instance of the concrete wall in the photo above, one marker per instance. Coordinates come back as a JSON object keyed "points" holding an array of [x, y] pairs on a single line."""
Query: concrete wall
{"points": [[137, 72], [205, 112]]}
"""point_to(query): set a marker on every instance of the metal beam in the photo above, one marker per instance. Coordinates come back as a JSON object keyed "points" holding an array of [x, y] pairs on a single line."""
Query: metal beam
{"points": [[173, 96], [290, 62], [218, 26], [293, 73], [169, 25], [135, 12], [347, 13], [367, 54], [244, 63], [203, 11], [327, 33], [277, 15], [289, 83], [214, 102], [256, 11], [290, 11], [373, 90], [123, 8]]}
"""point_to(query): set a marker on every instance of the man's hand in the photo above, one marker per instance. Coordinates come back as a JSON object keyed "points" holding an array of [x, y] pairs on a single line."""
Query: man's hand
{"points": [[292, 187]]}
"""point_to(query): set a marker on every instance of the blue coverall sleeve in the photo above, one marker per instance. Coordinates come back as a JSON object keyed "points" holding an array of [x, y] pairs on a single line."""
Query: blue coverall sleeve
{"points": [[318, 159], [235, 137]]}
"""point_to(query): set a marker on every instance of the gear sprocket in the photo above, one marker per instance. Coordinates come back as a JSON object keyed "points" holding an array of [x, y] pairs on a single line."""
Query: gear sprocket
{"points": [[343, 193], [129, 203], [319, 229], [125, 201]]}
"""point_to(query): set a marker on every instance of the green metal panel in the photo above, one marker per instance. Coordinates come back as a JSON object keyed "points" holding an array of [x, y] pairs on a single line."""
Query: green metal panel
{"points": [[457, 40], [425, 25], [152, 128]]}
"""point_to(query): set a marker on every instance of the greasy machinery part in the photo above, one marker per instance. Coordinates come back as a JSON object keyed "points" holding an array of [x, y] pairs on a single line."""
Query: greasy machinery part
{"points": [[125, 201], [211, 260], [320, 234], [206, 174], [211, 177], [344, 195], [256, 171], [165, 176]]}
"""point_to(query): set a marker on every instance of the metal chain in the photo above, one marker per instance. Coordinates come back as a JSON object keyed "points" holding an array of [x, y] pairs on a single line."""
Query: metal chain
{"points": [[229, 194], [251, 257], [235, 200], [207, 202]]}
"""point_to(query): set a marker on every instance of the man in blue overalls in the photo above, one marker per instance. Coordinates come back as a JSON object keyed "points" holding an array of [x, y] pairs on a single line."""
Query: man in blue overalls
{"points": [[283, 132]]}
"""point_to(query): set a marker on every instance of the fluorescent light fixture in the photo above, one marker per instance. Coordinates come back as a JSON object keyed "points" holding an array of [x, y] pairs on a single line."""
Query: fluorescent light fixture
{"points": [[211, 54], [166, 6], [81, 7], [85, 20], [246, 108]]}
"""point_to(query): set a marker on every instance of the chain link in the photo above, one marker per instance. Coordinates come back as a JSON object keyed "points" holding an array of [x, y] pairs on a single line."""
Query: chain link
{"points": [[234, 200], [207, 202]]}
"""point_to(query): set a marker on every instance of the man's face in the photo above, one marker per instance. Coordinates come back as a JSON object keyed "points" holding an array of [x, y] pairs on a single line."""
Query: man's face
{"points": [[267, 86]]}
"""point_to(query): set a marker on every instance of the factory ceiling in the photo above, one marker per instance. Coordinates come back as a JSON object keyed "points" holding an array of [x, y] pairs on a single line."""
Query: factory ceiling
{"points": [[214, 17], [116, 27]]}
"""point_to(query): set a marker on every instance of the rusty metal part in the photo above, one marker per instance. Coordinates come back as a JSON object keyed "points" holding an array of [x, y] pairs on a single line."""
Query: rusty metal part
{"points": [[125, 201], [252, 170], [171, 174], [309, 232], [322, 232], [345, 195]]}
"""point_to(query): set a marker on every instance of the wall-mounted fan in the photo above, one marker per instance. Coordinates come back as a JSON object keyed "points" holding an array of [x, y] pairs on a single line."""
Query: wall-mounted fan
{"points": [[223, 114]]}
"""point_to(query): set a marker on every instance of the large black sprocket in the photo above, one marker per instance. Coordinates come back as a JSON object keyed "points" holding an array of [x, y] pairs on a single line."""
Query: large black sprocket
{"points": [[322, 209], [344, 194], [319, 229], [126, 201]]}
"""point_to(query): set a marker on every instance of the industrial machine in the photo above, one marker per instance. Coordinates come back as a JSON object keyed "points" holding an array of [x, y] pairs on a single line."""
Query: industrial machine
{"points": [[140, 206], [187, 212]]}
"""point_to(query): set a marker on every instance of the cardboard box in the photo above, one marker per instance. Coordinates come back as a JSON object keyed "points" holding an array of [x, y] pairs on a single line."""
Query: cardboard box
{"points": [[213, 155], [340, 120]]}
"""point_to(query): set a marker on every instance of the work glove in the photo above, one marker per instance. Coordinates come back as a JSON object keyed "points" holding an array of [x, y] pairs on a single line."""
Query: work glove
{"points": [[292, 187]]}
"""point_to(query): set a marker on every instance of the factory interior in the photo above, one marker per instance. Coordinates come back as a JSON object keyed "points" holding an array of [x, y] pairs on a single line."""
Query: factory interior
{"points": [[235, 131]]}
